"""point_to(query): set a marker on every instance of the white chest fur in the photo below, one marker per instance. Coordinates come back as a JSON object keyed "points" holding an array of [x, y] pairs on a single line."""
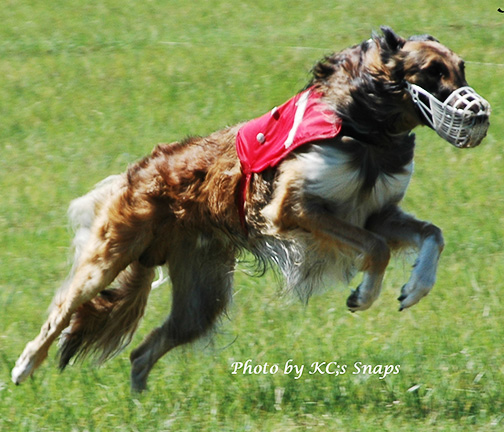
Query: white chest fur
{"points": [[333, 175]]}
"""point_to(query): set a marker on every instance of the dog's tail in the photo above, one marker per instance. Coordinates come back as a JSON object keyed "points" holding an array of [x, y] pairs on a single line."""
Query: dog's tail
{"points": [[105, 324], [84, 210], [81, 215]]}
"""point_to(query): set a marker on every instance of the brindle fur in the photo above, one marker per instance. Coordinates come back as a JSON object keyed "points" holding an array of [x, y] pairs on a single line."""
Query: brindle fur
{"points": [[329, 209]]}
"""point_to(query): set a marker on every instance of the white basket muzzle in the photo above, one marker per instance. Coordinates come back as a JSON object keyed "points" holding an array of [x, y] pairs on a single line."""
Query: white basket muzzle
{"points": [[462, 119]]}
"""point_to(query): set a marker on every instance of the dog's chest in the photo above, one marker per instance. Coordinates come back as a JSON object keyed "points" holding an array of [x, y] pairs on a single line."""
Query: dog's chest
{"points": [[356, 187]]}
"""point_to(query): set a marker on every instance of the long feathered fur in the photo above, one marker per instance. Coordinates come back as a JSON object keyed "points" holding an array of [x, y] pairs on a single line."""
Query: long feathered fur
{"points": [[106, 323], [328, 210]]}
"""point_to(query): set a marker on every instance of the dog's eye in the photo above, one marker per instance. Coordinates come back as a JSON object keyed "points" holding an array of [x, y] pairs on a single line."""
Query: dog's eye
{"points": [[462, 67], [437, 70]]}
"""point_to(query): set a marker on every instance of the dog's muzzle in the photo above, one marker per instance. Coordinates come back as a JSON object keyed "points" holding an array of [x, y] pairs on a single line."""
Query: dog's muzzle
{"points": [[462, 119]]}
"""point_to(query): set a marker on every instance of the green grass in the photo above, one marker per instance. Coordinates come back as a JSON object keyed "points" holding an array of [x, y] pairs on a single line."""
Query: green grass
{"points": [[87, 89]]}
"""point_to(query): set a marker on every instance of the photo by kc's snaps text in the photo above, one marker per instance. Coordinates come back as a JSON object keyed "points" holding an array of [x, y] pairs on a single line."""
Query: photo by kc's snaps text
{"points": [[330, 368]]}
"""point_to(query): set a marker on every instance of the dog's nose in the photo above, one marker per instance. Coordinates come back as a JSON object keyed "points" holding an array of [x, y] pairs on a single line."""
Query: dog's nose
{"points": [[476, 106], [468, 100], [470, 103]]}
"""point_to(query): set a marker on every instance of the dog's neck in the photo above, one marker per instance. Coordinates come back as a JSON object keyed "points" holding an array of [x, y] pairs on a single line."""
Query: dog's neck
{"points": [[389, 140], [402, 124], [389, 131], [363, 88]]}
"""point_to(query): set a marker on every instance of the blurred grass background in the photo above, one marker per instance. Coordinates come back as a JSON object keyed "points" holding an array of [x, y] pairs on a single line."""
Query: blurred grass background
{"points": [[86, 89]]}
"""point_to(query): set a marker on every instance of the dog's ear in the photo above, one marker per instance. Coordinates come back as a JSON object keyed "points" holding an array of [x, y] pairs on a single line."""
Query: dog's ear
{"points": [[423, 38], [390, 41]]}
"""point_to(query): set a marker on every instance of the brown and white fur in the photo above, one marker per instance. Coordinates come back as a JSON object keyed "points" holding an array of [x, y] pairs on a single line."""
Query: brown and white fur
{"points": [[330, 209]]}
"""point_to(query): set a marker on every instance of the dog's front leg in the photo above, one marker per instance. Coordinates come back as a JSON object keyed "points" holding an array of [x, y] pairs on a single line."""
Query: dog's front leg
{"points": [[404, 231], [372, 250], [366, 293]]}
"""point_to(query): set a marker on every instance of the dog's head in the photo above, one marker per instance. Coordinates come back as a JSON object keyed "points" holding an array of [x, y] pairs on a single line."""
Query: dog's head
{"points": [[388, 85], [433, 79]]}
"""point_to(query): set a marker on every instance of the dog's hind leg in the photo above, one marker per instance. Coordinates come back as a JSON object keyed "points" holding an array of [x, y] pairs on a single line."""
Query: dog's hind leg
{"points": [[98, 268], [201, 272], [113, 244], [404, 231]]}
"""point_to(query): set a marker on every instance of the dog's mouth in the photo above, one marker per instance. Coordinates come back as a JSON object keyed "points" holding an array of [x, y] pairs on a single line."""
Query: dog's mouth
{"points": [[462, 119]]}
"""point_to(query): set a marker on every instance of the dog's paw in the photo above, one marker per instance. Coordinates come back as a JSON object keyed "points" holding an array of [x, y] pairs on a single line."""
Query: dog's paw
{"points": [[27, 362], [23, 369], [139, 374], [357, 302], [413, 292]]}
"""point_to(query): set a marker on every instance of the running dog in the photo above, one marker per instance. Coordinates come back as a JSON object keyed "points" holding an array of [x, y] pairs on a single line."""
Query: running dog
{"points": [[313, 186]]}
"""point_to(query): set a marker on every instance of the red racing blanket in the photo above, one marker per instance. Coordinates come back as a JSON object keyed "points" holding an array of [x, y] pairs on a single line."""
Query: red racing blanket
{"points": [[265, 141]]}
